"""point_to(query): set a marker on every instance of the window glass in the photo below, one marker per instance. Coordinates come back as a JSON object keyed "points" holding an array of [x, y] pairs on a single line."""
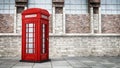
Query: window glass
{"points": [[30, 45], [30, 29], [30, 34], [76, 6], [29, 37], [30, 50], [110, 6], [7, 6], [43, 38], [46, 4]]}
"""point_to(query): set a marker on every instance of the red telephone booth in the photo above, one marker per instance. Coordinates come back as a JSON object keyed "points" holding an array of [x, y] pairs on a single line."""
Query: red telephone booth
{"points": [[35, 35]]}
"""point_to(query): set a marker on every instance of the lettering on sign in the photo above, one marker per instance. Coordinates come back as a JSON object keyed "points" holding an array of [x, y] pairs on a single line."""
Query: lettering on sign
{"points": [[45, 17], [32, 15]]}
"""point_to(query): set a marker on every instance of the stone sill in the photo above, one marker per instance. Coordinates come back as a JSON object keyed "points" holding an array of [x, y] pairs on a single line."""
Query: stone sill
{"points": [[63, 35], [80, 35], [9, 34]]}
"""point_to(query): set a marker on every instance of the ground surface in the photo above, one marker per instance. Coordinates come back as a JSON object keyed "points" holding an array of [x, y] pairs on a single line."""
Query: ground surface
{"points": [[70, 62]]}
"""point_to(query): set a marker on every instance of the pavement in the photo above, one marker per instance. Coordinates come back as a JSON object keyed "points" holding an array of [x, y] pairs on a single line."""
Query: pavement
{"points": [[66, 62]]}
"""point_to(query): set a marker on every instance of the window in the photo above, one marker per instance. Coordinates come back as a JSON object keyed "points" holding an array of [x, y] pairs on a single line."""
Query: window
{"points": [[46, 4], [76, 6], [43, 38], [7, 6], [110, 6], [30, 35]]}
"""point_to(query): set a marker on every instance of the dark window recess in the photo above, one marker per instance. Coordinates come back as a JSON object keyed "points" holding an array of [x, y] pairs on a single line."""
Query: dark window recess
{"points": [[58, 10], [20, 9], [95, 10]]}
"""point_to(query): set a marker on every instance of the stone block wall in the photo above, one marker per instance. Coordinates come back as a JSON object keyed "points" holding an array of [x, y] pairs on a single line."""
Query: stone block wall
{"points": [[10, 46], [110, 23], [77, 23], [66, 46]]}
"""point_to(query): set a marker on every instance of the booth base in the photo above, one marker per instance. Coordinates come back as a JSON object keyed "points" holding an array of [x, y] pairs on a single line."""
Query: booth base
{"points": [[36, 61]]}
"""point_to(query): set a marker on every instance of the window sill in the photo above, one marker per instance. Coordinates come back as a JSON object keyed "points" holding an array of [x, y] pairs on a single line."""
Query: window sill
{"points": [[63, 35]]}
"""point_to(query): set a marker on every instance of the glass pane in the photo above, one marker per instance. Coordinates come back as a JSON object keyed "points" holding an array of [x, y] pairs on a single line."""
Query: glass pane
{"points": [[30, 25], [31, 6], [6, 1], [30, 34], [43, 51], [119, 12], [1, 1], [30, 45], [47, 4], [31, 1], [43, 38], [27, 29], [30, 50], [67, 1], [12, 1], [48, 1], [30, 29], [11, 11], [118, 2], [84, 1], [6, 11], [113, 1], [26, 35], [1, 6], [30, 39], [12, 6], [6, 7], [48, 7], [73, 2], [26, 25], [1, 11], [103, 1]]}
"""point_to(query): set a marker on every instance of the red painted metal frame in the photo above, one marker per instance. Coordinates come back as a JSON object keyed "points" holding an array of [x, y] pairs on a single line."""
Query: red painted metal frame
{"points": [[38, 20]]}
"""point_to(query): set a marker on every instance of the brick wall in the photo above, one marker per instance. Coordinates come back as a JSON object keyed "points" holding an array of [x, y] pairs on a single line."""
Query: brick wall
{"points": [[77, 23], [110, 23], [6, 23]]}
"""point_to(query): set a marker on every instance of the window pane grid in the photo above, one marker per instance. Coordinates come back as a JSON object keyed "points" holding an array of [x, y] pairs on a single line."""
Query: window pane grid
{"points": [[47, 4], [76, 6], [7, 6], [110, 6], [30, 28], [43, 38]]}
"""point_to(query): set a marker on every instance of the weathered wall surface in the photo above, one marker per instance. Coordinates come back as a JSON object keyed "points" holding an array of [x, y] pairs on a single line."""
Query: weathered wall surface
{"points": [[110, 23], [10, 46], [6, 23], [50, 24], [77, 23], [65, 46], [84, 46]]}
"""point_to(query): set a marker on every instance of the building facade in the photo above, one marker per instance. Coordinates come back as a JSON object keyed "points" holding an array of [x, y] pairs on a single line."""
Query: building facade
{"points": [[77, 27]]}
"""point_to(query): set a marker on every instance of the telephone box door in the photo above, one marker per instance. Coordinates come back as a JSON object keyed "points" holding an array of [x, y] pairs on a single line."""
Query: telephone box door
{"points": [[29, 39], [45, 34]]}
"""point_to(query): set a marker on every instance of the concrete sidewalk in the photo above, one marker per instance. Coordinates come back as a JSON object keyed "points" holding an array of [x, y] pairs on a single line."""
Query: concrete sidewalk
{"points": [[70, 62]]}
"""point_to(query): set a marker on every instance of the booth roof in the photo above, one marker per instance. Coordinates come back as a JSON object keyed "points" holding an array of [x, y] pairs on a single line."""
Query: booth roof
{"points": [[35, 10]]}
